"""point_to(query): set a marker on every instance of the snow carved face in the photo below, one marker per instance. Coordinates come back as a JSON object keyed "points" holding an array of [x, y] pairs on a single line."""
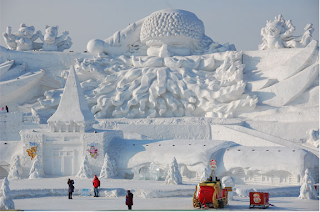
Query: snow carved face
{"points": [[25, 32], [51, 34], [273, 29], [171, 32]]}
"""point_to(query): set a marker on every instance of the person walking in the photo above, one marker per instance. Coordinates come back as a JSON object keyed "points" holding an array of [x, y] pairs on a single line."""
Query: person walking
{"points": [[129, 200], [96, 185], [71, 187]]}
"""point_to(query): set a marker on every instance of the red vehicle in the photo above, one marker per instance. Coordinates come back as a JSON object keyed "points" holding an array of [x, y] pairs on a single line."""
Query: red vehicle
{"points": [[259, 200], [210, 194]]}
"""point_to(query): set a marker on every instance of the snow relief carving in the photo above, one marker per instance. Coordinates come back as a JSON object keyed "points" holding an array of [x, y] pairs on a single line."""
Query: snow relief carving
{"points": [[24, 39], [279, 34]]}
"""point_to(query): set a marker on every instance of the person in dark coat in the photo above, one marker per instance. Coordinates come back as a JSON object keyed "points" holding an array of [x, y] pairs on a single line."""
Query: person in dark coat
{"points": [[129, 200], [71, 188], [96, 185], [7, 109]]}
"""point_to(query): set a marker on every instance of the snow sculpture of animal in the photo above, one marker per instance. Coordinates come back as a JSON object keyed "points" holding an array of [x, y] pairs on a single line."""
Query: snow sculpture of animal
{"points": [[23, 40], [278, 34], [53, 43]]}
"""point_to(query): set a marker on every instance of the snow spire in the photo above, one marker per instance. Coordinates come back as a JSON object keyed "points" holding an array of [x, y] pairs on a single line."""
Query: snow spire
{"points": [[35, 171], [307, 190], [174, 175], [109, 168], [73, 114], [15, 168], [85, 171], [6, 202]]}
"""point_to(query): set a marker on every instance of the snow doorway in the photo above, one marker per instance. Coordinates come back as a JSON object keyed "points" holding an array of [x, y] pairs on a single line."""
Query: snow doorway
{"points": [[61, 161], [3, 172]]}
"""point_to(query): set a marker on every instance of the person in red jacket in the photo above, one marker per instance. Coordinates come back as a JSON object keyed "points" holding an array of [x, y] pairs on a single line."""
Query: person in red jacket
{"points": [[96, 185], [129, 199]]}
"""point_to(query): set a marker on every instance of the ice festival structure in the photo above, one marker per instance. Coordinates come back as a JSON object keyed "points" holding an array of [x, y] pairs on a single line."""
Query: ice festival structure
{"points": [[162, 89]]}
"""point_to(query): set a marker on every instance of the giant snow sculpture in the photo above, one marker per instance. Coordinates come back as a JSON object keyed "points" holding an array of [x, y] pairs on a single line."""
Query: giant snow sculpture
{"points": [[279, 34], [163, 66]]}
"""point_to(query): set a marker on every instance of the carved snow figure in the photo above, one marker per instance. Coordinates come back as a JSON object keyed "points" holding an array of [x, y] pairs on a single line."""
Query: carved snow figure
{"points": [[150, 35], [51, 41], [278, 34], [313, 137], [167, 74], [307, 190], [85, 171], [35, 171], [23, 40], [205, 174], [15, 168], [6, 202], [173, 176], [109, 169]]}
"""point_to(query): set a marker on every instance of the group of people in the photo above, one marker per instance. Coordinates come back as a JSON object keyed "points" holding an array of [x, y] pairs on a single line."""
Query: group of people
{"points": [[2, 109], [96, 186]]}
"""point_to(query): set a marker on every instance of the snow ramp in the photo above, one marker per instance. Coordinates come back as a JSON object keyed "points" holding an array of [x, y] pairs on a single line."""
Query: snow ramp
{"points": [[248, 137]]}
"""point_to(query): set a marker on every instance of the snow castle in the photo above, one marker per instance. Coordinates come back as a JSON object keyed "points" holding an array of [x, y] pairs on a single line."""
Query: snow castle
{"points": [[162, 89]]}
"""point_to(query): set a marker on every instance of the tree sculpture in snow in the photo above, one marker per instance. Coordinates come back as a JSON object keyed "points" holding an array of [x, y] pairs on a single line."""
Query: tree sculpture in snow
{"points": [[278, 34], [35, 171], [85, 171], [307, 190], [109, 168], [6, 202], [15, 168], [174, 175]]}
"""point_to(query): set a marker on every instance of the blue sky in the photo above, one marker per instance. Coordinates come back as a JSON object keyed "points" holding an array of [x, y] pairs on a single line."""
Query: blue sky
{"points": [[235, 21]]}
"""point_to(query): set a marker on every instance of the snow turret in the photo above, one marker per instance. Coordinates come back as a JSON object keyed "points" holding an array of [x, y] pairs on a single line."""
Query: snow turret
{"points": [[73, 114]]}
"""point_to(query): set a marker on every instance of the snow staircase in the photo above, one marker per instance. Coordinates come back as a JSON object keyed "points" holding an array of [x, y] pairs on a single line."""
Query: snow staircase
{"points": [[250, 137]]}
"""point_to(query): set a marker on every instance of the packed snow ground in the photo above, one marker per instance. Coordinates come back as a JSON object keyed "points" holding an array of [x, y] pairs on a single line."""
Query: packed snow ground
{"points": [[51, 194]]}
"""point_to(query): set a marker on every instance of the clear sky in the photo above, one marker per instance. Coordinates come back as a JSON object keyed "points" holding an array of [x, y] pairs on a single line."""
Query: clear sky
{"points": [[235, 21]]}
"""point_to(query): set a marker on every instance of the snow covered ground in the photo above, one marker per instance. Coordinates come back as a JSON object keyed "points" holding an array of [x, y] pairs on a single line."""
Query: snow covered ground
{"points": [[51, 194]]}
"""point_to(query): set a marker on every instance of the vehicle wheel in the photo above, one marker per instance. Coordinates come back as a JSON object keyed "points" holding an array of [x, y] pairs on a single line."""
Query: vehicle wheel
{"points": [[221, 203], [195, 201]]}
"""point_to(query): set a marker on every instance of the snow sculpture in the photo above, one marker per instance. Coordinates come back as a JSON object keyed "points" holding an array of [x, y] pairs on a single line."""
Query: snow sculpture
{"points": [[205, 174], [154, 81], [15, 168], [164, 33], [85, 171], [53, 43], [228, 181], [73, 114], [278, 34], [109, 168], [313, 138], [35, 171], [23, 40], [307, 190], [6, 202], [173, 176]]}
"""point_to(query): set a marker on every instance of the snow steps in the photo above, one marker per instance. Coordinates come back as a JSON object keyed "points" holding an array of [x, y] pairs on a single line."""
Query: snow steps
{"points": [[271, 138]]}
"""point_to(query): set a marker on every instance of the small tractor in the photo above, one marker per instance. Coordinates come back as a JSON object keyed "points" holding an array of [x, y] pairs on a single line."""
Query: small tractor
{"points": [[210, 193]]}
